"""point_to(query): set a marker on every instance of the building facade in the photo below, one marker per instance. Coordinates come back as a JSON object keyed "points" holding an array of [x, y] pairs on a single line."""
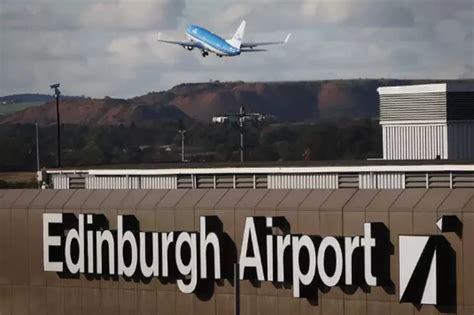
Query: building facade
{"points": [[365, 175], [425, 122], [411, 220]]}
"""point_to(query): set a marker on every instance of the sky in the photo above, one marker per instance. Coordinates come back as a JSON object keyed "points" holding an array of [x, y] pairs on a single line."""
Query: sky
{"points": [[103, 48]]}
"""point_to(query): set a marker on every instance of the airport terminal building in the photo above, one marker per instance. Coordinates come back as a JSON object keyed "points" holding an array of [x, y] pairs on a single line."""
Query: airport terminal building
{"points": [[388, 236]]}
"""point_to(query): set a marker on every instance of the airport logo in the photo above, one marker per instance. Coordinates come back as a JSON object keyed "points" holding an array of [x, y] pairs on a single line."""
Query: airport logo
{"points": [[427, 273]]}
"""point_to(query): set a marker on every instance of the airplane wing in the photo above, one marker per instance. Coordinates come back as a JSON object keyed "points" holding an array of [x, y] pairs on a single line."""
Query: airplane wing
{"points": [[255, 44], [251, 50], [185, 44]]}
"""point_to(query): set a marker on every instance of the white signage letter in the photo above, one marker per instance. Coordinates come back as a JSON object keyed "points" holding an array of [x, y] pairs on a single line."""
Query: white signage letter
{"points": [[298, 276], [368, 242], [166, 240], [188, 270], [51, 241], [246, 261], [73, 234], [350, 244], [330, 241], [122, 238], [152, 270], [101, 237], [204, 241]]}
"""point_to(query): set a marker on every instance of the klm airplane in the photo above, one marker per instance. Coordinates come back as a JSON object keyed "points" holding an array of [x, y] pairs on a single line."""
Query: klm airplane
{"points": [[208, 42]]}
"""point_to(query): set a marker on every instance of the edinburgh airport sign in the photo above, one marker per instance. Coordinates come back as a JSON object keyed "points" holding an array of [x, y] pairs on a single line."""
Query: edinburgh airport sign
{"points": [[84, 244]]}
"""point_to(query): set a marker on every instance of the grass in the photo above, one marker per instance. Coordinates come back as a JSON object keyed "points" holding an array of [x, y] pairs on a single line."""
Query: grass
{"points": [[18, 180], [15, 107], [17, 176]]}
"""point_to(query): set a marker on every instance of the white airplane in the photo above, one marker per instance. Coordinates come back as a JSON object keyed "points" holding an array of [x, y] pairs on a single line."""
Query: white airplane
{"points": [[206, 41]]}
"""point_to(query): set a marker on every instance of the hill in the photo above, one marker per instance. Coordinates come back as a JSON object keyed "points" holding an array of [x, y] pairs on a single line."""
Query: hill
{"points": [[31, 97], [24, 98], [18, 102], [95, 112], [288, 101]]}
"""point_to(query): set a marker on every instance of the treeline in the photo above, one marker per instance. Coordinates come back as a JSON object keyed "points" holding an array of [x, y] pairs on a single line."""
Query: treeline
{"points": [[82, 145]]}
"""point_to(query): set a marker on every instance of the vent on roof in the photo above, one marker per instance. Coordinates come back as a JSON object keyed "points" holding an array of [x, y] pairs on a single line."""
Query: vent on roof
{"points": [[185, 182], [225, 181], [261, 181], [237, 181], [463, 180], [439, 180], [348, 180], [244, 181], [415, 180], [77, 182], [205, 181]]}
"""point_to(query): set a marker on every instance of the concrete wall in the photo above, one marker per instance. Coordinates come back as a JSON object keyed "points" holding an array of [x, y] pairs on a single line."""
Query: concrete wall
{"points": [[26, 289]]}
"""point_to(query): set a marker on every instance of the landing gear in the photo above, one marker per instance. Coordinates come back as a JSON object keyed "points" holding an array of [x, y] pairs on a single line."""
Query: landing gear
{"points": [[205, 53], [220, 56]]}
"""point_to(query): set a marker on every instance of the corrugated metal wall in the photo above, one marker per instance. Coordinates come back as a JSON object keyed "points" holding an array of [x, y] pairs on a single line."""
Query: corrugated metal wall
{"points": [[461, 140], [60, 181], [25, 288], [302, 181], [111, 182], [382, 180], [396, 107], [131, 182], [159, 182], [415, 142], [427, 141]]}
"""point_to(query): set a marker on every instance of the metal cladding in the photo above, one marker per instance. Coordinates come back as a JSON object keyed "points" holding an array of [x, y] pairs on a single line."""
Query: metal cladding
{"points": [[422, 219], [439, 102], [432, 121], [416, 106], [370, 176]]}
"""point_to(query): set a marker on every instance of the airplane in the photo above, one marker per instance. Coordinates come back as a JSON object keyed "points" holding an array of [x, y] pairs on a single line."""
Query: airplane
{"points": [[208, 42]]}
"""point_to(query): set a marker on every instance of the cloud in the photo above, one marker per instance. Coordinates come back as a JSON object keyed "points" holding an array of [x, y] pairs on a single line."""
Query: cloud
{"points": [[468, 72], [133, 15], [108, 47], [38, 15]]}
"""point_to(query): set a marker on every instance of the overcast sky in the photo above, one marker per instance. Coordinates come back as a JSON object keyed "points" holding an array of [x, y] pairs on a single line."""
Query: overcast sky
{"points": [[108, 47]]}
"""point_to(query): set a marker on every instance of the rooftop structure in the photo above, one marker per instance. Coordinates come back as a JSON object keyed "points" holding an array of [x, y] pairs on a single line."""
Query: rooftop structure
{"points": [[430, 121], [360, 174]]}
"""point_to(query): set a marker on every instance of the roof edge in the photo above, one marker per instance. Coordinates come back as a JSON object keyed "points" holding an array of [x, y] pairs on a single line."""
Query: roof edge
{"points": [[426, 88]]}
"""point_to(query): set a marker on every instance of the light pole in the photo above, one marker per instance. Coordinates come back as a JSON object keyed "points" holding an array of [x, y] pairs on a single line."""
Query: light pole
{"points": [[240, 118], [236, 289], [183, 135], [58, 123], [241, 125], [37, 148], [37, 153]]}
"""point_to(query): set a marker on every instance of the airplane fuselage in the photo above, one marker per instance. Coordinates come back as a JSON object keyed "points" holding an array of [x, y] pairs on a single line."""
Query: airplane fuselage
{"points": [[210, 41], [207, 42]]}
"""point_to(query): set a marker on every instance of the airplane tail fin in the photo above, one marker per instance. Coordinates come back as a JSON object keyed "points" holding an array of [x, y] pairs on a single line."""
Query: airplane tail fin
{"points": [[236, 40]]}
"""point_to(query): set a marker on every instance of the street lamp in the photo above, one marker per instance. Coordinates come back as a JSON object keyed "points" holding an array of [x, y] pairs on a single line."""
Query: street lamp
{"points": [[241, 126], [55, 87], [183, 134]]}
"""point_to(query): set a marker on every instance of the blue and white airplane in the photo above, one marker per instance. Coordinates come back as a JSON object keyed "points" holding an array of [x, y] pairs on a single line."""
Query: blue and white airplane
{"points": [[206, 41]]}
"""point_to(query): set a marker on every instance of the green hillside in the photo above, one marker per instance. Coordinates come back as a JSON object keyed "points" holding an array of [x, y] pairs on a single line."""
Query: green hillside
{"points": [[15, 107]]}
